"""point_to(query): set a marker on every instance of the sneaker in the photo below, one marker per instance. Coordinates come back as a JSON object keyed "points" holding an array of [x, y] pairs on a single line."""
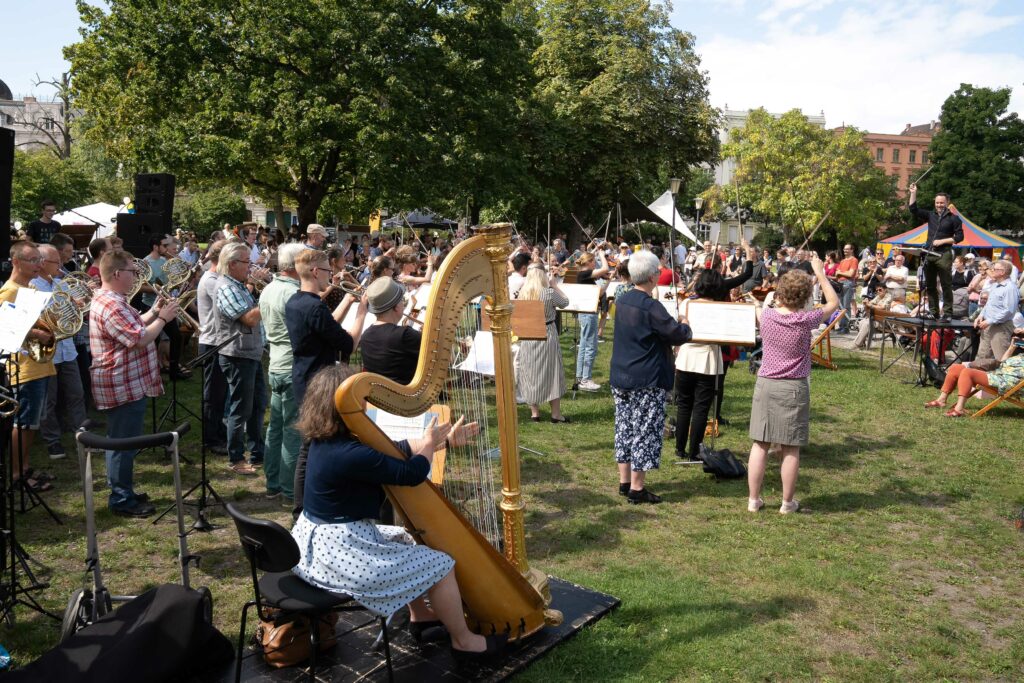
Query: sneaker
{"points": [[642, 496], [755, 504], [56, 451], [790, 507], [589, 385], [134, 509], [272, 495]]}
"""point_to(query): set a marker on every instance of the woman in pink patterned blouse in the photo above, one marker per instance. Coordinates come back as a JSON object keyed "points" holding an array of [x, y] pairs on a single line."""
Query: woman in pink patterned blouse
{"points": [[782, 395]]}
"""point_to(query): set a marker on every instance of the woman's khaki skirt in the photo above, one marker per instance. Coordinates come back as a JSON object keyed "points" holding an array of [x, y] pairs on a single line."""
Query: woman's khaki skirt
{"points": [[781, 411]]}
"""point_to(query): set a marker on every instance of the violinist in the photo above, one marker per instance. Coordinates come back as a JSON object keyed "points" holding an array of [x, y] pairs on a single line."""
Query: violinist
{"points": [[408, 260], [593, 267]]}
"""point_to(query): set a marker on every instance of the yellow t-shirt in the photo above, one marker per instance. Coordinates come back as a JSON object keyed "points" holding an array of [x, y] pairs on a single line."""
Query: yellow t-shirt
{"points": [[24, 369]]}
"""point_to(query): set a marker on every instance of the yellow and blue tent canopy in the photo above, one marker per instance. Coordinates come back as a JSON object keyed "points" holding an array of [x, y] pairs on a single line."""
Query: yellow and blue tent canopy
{"points": [[976, 239]]}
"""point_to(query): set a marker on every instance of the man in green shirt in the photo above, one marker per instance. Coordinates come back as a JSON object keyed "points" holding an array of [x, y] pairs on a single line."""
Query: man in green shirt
{"points": [[283, 441]]}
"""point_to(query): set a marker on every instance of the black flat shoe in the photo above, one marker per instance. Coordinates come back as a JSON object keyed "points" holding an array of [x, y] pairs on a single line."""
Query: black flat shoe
{"points": [[624, 489], [642, 496], [495, 648], [723, 421], [427, 631], [535, 418], [561, 420]]}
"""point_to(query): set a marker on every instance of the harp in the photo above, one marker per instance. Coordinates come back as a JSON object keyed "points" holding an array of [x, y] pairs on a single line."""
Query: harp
{"points": [[500, 592]]}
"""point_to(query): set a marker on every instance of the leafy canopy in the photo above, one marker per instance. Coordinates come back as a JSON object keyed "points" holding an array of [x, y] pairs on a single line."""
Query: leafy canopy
{"points": [[977, 157], [794, 172]]}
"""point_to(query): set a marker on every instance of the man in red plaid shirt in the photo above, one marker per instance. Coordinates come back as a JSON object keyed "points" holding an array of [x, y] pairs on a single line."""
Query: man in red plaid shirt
{"points": [[125, 371]]}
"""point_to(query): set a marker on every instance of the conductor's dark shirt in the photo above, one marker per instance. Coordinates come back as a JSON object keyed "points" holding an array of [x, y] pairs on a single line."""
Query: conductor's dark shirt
{"points": [[940, 227], [317, 339]]}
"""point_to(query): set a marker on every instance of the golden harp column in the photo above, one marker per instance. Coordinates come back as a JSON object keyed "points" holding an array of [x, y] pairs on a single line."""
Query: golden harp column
{"points": [[500, 311]]}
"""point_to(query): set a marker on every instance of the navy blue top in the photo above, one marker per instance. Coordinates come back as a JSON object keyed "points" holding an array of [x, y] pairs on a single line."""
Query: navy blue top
{"points": [[344, 477], [316, 339], [644, 336]]}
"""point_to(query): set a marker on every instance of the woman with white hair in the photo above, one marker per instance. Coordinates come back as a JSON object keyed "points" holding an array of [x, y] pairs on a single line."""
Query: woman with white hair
{"points": [[539, 373], [641, 376]]}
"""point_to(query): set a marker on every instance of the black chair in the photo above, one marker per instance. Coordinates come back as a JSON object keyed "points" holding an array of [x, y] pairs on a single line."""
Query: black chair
{"points": [[271, 549]]}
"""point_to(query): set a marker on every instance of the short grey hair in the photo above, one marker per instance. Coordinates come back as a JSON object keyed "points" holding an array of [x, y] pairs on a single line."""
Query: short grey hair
{"points": [[231, 252], [286, 255], [644, 266]]}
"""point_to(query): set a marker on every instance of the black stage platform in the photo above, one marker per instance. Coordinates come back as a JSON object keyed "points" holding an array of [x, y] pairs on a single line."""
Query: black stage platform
{"points": [[354, 659]]}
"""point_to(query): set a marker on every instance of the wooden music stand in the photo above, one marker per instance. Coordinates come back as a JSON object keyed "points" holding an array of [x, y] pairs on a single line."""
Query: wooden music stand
{"points": [[527, 320], [821, 347]]}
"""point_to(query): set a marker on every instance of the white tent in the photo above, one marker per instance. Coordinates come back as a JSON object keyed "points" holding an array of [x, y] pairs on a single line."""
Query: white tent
{"points": [[101, 215], [662, 206]]}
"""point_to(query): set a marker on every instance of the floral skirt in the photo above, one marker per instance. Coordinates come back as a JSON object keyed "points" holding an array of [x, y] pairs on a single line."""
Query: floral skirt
{"points": [[639, 427]]}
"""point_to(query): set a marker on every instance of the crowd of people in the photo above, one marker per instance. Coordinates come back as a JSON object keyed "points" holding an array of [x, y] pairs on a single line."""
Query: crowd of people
{"points": [[280, 317]]}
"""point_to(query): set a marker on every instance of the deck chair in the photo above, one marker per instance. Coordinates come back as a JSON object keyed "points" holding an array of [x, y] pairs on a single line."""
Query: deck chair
{"points": [[821, 347], [1012, 395], [876, 324]]}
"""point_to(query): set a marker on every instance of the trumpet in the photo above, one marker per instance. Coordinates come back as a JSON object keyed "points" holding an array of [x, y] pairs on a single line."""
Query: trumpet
{"points": [[184, 300]]}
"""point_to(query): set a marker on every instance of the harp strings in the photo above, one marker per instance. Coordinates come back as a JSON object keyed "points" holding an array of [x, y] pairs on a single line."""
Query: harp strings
{"points": [[471, 472]]}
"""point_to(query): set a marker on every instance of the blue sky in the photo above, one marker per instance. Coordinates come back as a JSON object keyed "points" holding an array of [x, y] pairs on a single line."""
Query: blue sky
{"points": [[875, 64]]}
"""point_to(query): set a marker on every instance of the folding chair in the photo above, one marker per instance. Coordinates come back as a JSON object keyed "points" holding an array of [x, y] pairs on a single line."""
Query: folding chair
{"points": [[894, 330], [1007, 395], [821, 347]]}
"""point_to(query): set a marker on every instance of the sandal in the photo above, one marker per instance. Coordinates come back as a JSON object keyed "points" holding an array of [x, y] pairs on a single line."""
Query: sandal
{"points": [[38, 486], [242, 467], [40, 475], [953, 412], [935, 404]]}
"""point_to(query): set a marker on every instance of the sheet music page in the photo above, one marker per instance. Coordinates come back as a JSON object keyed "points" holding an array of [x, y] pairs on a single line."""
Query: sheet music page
{"points": [[18, 318], [480, 358], [399, 428], [730, 323], [582, 298], [613, 289], [421, 296], [350, 318]]}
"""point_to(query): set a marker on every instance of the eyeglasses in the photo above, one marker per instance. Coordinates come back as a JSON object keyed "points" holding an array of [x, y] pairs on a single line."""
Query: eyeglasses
{"points": [[49, 261], [317, 269], [127, 270], [34, 261], [246, 262]]}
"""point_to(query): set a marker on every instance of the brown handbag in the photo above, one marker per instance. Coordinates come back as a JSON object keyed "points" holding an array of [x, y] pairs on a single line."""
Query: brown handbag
{"points": [[285, 639]]}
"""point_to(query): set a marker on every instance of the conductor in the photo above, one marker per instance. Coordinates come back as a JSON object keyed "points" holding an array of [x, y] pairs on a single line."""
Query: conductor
{"points": [[944, 230]]}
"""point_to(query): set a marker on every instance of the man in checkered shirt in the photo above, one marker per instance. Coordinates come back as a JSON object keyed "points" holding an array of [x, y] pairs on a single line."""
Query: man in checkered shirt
{"points": [[238, 317], [125, 371]]}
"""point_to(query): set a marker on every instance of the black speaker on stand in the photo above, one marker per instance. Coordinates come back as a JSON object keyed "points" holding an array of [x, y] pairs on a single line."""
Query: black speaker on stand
{"points": [[154, 213], [6, 177]]}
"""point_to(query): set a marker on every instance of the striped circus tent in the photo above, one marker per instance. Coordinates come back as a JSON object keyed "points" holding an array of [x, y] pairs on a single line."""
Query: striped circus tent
{"points": [[976, 239]]}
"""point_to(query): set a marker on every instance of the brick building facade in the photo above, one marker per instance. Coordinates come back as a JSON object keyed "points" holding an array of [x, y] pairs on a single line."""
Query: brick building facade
{"points": [[904, 155]]}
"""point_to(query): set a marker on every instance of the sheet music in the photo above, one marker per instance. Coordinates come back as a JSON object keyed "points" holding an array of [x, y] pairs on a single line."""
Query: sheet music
{"points": [[719, 322], [18, 318], [480, 357], [420, 297], [350, 318], [582, 298], [613, 289], [398, 427]]}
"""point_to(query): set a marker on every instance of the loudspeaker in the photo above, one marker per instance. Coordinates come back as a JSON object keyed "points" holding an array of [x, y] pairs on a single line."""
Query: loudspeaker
{"points": [[137, 229], [6, 176], [154, 193]]}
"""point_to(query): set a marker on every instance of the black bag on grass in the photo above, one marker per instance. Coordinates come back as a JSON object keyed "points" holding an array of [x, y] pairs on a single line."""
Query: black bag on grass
{"points": [[723, 464]]}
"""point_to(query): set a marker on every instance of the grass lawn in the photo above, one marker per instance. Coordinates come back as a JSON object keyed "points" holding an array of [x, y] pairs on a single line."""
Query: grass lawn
{"points": [[905, 569]]}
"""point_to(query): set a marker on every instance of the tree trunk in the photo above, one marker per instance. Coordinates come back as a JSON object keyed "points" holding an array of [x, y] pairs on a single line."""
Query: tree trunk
{"points": [[279, 215]]}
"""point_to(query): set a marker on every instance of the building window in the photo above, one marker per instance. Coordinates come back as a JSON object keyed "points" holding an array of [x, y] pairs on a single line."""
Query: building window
{"points": [[913, 156], [924, 157], [895, 156], [879, 154]]}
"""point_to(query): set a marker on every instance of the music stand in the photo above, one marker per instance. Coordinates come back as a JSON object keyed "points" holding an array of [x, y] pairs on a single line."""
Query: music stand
{"points": [[203, 485], [12, 554]]}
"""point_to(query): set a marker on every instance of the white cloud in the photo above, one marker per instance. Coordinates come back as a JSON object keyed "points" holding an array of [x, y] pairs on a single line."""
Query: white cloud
{"points": [[877, 66]]}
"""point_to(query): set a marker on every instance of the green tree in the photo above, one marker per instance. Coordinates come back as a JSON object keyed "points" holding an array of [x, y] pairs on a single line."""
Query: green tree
{"points": [[620, 105], [793, 172], [39, 176], [206, 210], [977, 157], [397, 101]]}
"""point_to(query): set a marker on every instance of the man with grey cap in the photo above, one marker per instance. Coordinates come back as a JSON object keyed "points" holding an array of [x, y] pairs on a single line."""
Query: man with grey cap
{"points": [[388, 348], [316, 236]]}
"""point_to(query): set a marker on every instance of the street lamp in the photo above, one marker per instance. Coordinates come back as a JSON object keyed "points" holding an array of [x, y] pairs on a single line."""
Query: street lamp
{"points": [[698, 202], [673, 186]]}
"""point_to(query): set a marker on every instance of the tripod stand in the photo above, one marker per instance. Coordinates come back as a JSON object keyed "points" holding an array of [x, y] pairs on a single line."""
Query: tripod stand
{"points": [[12, 591], [203, 485]]}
